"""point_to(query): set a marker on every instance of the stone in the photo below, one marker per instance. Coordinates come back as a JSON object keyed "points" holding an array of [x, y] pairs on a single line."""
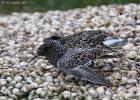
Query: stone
{"points": [[132, 54], [66, 94]]}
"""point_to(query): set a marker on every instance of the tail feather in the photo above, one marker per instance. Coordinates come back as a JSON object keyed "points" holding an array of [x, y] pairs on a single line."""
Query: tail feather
{"points": [[87, 74]]}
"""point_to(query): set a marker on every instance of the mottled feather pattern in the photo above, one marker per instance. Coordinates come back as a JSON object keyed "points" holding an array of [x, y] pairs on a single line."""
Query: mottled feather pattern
{"points": [[85, 39], [75, 54]]}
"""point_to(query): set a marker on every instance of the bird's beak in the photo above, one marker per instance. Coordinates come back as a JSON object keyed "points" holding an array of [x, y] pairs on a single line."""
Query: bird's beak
{"points": [[33, 58]]}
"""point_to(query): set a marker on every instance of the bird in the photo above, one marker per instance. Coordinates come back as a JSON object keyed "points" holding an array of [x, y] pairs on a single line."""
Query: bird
{"points": [[75, 54]]}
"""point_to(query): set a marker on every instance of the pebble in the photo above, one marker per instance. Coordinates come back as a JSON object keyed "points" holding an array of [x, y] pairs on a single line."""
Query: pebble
{"points": [[16, 91], [23, 64], [132, 54], [9, 79], [29, 79], [18, 85], [105, 98], [45, 66], [66, 94], [132, 90], [38, 80], [18, 78], [117, 75], [124, 80], [131, 81], [89, 97], [3, 98], [93, 93], [26, 88], [1, 61], [74, 94], [3, 82], [49, 79], [100, 91], [128, 46], [34, 85], [39, 90]]}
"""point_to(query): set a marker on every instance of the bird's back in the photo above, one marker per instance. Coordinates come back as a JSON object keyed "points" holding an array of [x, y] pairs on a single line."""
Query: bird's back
{"points": [[85, 39]]}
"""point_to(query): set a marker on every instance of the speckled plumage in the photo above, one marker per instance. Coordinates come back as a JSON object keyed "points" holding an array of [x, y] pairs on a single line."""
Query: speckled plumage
{"points": [[75, 54], [84, 39], [78, 62]]}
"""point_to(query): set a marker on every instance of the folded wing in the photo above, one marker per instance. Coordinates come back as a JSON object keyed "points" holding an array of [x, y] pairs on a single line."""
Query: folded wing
{"points": [[85, 73]]}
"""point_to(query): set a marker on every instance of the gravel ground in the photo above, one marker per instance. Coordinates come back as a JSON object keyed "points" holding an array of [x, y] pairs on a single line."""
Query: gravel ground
{"points": [[22, 33]]}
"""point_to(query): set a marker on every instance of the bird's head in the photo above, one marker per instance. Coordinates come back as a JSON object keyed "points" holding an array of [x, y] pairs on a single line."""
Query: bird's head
{"points": [[50, 45], [42, 50]]}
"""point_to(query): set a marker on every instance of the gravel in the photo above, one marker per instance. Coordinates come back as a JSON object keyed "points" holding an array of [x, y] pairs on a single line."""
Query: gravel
{"points": [[22, 33]]}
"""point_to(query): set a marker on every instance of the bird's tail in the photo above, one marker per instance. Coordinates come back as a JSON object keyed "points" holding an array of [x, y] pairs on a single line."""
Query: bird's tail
{"points": [[85, 73]]}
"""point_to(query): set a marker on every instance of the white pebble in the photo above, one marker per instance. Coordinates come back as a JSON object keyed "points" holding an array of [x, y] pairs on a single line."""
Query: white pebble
{"points": [[39, 90], [9, 79], [66, 94], [3, 82], [11, 43], [18, 85], [124, 80], [133, 90], [132, 54], [128, 95], [93, 93], [74, 94], [15, 91], [88, 97], [29, 79], [23, 64], [18, 78], [131, 81], [49, 78], [100, 91], [117, 75], [1, 61], [26, 88], [105, 98], [13, 82], [34, 85], [38, 80], [128, 46], [108, 93], [45, 66], [3, 98], [7, 91]]}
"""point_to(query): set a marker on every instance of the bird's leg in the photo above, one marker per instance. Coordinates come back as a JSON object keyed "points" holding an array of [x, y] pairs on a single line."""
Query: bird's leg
{"points": [[121, 60]]}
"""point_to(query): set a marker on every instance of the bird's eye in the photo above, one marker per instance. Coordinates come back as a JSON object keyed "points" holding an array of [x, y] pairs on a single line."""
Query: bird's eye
{"points": [[39, 50]]}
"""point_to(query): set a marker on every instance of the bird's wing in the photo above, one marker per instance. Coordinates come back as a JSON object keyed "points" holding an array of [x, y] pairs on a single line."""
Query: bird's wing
{"points": [[88, 39], [85, 73], [79, 66]]}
